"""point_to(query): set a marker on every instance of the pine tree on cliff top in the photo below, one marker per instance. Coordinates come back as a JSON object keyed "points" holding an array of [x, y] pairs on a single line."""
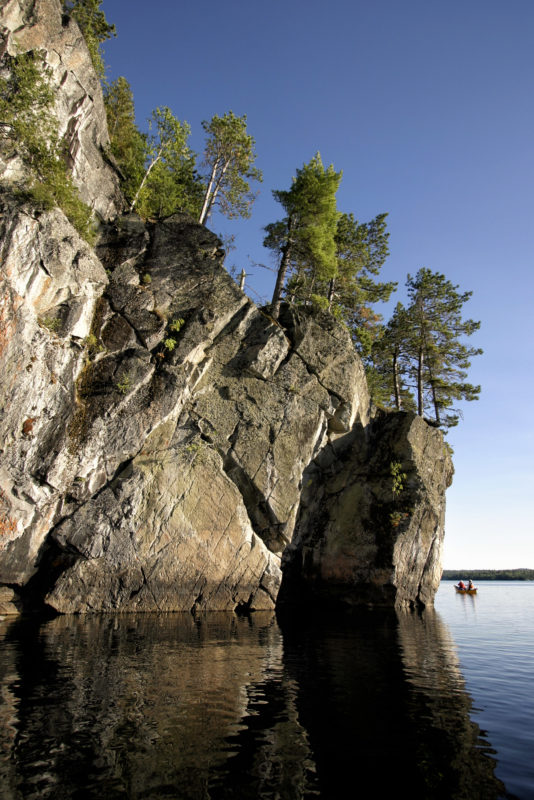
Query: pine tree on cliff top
{"points": [[304, 240], [439, 357], [361, 250]]}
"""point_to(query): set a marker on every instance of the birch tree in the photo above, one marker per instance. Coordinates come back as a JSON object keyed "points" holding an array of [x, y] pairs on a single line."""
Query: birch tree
{"points": [[229, 166], [169, 182]]}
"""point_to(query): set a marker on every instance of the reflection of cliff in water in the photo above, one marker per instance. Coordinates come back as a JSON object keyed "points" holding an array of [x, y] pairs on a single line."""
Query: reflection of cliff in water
{"points": [[152, 706], [129, 706], [374, 702], [451, 742]]}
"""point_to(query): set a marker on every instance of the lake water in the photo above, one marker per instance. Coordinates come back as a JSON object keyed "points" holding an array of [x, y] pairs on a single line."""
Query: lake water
{"points": [[171, 706], [494, 637]]}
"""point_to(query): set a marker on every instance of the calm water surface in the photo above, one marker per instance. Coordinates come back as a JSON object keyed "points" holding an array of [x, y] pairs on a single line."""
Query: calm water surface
{"points": [[168, 706], [494, 637]]}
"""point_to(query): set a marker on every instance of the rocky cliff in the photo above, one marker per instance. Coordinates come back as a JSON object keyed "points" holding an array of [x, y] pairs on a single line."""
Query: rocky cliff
{"points": [[164, 444]]}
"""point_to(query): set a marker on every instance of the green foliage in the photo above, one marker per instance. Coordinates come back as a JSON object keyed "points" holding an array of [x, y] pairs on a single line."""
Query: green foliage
{"points": [[29, 128], [420, 360], [93, 345], [361, 250], [439, 358], [378, 385], [396, 517], [91, 341], [170, 182], [175, 327], [398, 477], [128, 144], [319, 302], [58, 190], [52, 324], [304, 240], [229, 166], [94, 26], [124, 384], [192, 447], [389, 363], [327, 259], [177, 324]]}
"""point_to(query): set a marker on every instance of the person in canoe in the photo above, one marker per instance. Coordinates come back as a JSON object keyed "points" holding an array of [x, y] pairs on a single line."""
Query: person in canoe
{"points": [[470, 585], [461, 585]]}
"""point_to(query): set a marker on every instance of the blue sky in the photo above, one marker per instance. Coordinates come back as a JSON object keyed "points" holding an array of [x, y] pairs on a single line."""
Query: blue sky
{"points": [[427, 109]]}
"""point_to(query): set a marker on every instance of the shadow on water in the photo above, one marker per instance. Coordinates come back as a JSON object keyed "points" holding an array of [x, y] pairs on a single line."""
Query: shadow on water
{"points": [[168, 706]]}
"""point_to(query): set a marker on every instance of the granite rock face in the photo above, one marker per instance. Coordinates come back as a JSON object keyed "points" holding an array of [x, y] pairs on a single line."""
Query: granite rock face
{"points": [[164, 443], [371, 522], [156, 426], [29, 25]]}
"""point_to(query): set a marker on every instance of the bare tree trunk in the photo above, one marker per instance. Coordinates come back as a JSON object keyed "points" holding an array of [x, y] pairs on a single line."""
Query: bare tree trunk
{"points": [[434, 398], [331, 292], [242, 280], [280, 281], [211, 192], [396, 385], [420, 365], [145, 176], [206, 205], [281, 277]]}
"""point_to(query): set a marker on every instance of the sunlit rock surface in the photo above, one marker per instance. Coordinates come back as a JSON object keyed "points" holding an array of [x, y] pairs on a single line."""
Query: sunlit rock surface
{"points": [[163, 441], [159, 464], [79, 107]]}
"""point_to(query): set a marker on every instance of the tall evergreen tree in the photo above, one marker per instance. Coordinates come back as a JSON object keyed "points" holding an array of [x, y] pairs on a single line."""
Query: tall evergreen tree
{"points": [[304, 240], [361, 250], [389, 362], [440, 359], [128, 144], [229, 166]]}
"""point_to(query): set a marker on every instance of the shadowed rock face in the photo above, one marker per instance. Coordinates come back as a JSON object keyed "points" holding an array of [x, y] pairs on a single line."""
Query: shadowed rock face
{"points": [[160, 436], [361, 538]]}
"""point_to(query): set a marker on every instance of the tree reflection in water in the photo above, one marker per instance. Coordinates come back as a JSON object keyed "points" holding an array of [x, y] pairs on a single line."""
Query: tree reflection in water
{"points": [[167, 705]]}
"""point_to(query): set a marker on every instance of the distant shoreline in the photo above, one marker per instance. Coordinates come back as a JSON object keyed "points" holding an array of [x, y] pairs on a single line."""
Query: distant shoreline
{"points": [[488, 574]]}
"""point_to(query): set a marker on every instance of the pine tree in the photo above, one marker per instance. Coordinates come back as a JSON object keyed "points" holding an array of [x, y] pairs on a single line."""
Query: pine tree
{"points": [[128, 144], [304, 240], [361, 250], [440, 359], [229, 164], [389, 362]]}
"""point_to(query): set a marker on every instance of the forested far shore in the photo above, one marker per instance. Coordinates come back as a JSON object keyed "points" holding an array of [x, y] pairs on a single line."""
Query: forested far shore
{"points": [[488, 574]]}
